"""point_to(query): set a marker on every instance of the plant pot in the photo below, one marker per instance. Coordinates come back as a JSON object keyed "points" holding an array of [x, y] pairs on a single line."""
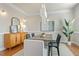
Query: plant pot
{"points": [[69, 43]]}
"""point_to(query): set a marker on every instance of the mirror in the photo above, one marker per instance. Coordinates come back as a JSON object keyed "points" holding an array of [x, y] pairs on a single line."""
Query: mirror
{"points": [[15, 21], [15, 25]]}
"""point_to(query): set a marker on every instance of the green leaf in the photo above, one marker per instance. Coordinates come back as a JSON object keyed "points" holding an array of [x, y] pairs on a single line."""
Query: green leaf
{"points": [[71, 32], [66, 22], [65, 28], [65, 34]]}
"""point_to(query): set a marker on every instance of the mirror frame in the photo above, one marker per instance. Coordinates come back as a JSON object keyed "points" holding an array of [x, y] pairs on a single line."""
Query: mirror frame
{"points": [[12, 26]]}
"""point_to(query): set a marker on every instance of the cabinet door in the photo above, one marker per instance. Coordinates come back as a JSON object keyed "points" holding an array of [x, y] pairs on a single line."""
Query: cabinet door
{"points": [[18, 38], [13, 40], [7, 43], [23, 35]]}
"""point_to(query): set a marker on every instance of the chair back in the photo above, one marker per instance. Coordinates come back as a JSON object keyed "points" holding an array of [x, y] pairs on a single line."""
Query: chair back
{"points": [[27, 36], [32, 34], [33, 48], [58, 39]]}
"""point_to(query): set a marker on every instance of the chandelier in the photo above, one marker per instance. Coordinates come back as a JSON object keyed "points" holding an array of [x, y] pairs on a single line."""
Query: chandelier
{"points": [[43, 12], [43, 15]]}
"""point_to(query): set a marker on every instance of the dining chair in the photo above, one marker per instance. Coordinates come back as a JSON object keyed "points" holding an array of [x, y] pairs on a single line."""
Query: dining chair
{"points": [[27, 36], [33, 48], [32, 34], [54, 43]]}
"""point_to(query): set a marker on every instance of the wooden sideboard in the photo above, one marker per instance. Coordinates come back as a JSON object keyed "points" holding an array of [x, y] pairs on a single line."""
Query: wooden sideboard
{"points": [[13, 39]]}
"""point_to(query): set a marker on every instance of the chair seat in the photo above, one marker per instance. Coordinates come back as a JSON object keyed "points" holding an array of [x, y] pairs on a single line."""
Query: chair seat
{"points": [[54, 41], [52, 44]]}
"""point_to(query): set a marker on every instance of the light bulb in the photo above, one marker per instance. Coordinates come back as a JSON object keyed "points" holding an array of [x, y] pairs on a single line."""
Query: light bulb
{"points": [[3, 12]]}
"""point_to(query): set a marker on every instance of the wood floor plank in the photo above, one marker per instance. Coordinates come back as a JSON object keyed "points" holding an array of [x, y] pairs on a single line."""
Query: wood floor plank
{"points": [[74, 48], [12, 51]]}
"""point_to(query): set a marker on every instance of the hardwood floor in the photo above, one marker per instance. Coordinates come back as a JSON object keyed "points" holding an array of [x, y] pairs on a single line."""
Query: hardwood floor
{"points": [[10, 52], [74, 48]]}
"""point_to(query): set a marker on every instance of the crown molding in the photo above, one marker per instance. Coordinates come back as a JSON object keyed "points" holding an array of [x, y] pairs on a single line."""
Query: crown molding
{"points": [[37, 14]]}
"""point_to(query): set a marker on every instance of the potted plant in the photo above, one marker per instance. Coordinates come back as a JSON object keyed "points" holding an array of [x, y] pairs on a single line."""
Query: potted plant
{"points": [[68, 31]]}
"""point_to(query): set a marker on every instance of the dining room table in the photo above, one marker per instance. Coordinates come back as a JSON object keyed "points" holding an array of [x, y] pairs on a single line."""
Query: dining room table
{"points": [[46, 37]]}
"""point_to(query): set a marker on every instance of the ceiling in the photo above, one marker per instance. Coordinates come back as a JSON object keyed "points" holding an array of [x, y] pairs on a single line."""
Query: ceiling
{"points": [[32, 8], [35, 8]]}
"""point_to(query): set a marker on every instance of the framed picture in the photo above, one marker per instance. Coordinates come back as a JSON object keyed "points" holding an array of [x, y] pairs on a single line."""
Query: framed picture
{"points": [[47, 27]]}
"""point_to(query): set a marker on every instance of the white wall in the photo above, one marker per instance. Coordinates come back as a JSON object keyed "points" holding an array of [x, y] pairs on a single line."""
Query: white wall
{"points": [[33, 22], [58, 16], [4, 26], [75, 36], [5, 22], [76, 16]]}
